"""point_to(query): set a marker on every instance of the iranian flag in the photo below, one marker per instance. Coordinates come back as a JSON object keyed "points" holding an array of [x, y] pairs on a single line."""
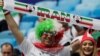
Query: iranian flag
{"points": [[21, 7], [86, 21]]}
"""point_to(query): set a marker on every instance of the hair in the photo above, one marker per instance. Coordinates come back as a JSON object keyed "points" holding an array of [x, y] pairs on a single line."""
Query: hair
{"points": [[3, 25], [47, 25], [6, 44], [94, 50], [98, 42], [17, 52]]}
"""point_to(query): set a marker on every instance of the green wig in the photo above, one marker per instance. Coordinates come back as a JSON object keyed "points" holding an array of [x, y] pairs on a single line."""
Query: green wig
{"points": [[46, 25]]}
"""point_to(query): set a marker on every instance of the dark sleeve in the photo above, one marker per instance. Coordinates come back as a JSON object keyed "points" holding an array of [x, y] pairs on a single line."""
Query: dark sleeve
{"points": [[3, 25], [75, 54]]}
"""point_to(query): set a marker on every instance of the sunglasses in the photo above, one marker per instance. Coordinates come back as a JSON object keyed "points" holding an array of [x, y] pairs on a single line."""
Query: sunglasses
{"points": [[51, 33]]}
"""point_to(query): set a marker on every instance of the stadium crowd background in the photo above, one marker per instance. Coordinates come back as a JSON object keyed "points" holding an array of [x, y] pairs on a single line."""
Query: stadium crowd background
{"points": [[87, 8]]}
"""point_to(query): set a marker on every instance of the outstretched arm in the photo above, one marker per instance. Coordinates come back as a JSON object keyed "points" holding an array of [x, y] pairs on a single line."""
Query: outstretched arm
{"points": [[13, 27], [12, 24]]}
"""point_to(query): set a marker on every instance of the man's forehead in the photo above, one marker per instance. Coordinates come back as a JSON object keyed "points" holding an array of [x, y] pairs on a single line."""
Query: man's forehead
{"points": [[6, 47]]}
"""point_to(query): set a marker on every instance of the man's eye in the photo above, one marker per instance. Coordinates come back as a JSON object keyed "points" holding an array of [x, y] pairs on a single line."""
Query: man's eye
{"points": [[6, 52]]}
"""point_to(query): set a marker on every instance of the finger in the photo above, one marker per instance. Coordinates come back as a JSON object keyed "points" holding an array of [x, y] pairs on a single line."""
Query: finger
{"points": [[41, 19]]}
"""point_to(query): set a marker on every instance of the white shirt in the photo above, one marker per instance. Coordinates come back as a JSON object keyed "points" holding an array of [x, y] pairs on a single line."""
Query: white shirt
{"points": [[30, 49], [68, 35]]}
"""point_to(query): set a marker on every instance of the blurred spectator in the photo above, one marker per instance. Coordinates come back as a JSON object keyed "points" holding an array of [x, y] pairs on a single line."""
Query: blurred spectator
{"points": [[3, 26], [96, 36], [87, 46], [17, 52], [7, 49]]}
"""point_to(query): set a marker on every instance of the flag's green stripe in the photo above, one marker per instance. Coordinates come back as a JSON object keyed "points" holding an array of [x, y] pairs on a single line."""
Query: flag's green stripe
{"points": [[86, 19], [20, 4]]}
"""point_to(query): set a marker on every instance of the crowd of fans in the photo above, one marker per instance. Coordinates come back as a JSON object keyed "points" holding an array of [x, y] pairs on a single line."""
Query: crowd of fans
{"points": [[52, 38]]}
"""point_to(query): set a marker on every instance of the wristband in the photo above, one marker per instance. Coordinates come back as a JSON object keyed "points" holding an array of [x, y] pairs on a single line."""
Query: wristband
{"points": [[6, 12]]}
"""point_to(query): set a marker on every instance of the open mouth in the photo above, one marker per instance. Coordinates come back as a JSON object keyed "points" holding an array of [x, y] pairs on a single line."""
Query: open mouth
{"points": [[87, 51]]}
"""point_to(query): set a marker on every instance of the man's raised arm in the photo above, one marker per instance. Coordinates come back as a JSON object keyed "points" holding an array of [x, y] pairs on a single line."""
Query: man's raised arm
{"points": [[12, 25]]}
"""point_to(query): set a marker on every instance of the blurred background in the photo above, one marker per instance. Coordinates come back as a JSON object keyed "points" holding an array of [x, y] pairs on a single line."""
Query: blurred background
{"points": [[87, 8]]}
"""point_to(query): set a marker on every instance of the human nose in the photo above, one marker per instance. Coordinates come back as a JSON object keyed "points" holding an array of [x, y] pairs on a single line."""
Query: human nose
{"points": [[87, 46]]}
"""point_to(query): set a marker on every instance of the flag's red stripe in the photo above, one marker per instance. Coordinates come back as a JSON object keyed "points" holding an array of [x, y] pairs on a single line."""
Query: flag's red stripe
{"points": [[68, 20], [21, 9], [86, 23]]}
